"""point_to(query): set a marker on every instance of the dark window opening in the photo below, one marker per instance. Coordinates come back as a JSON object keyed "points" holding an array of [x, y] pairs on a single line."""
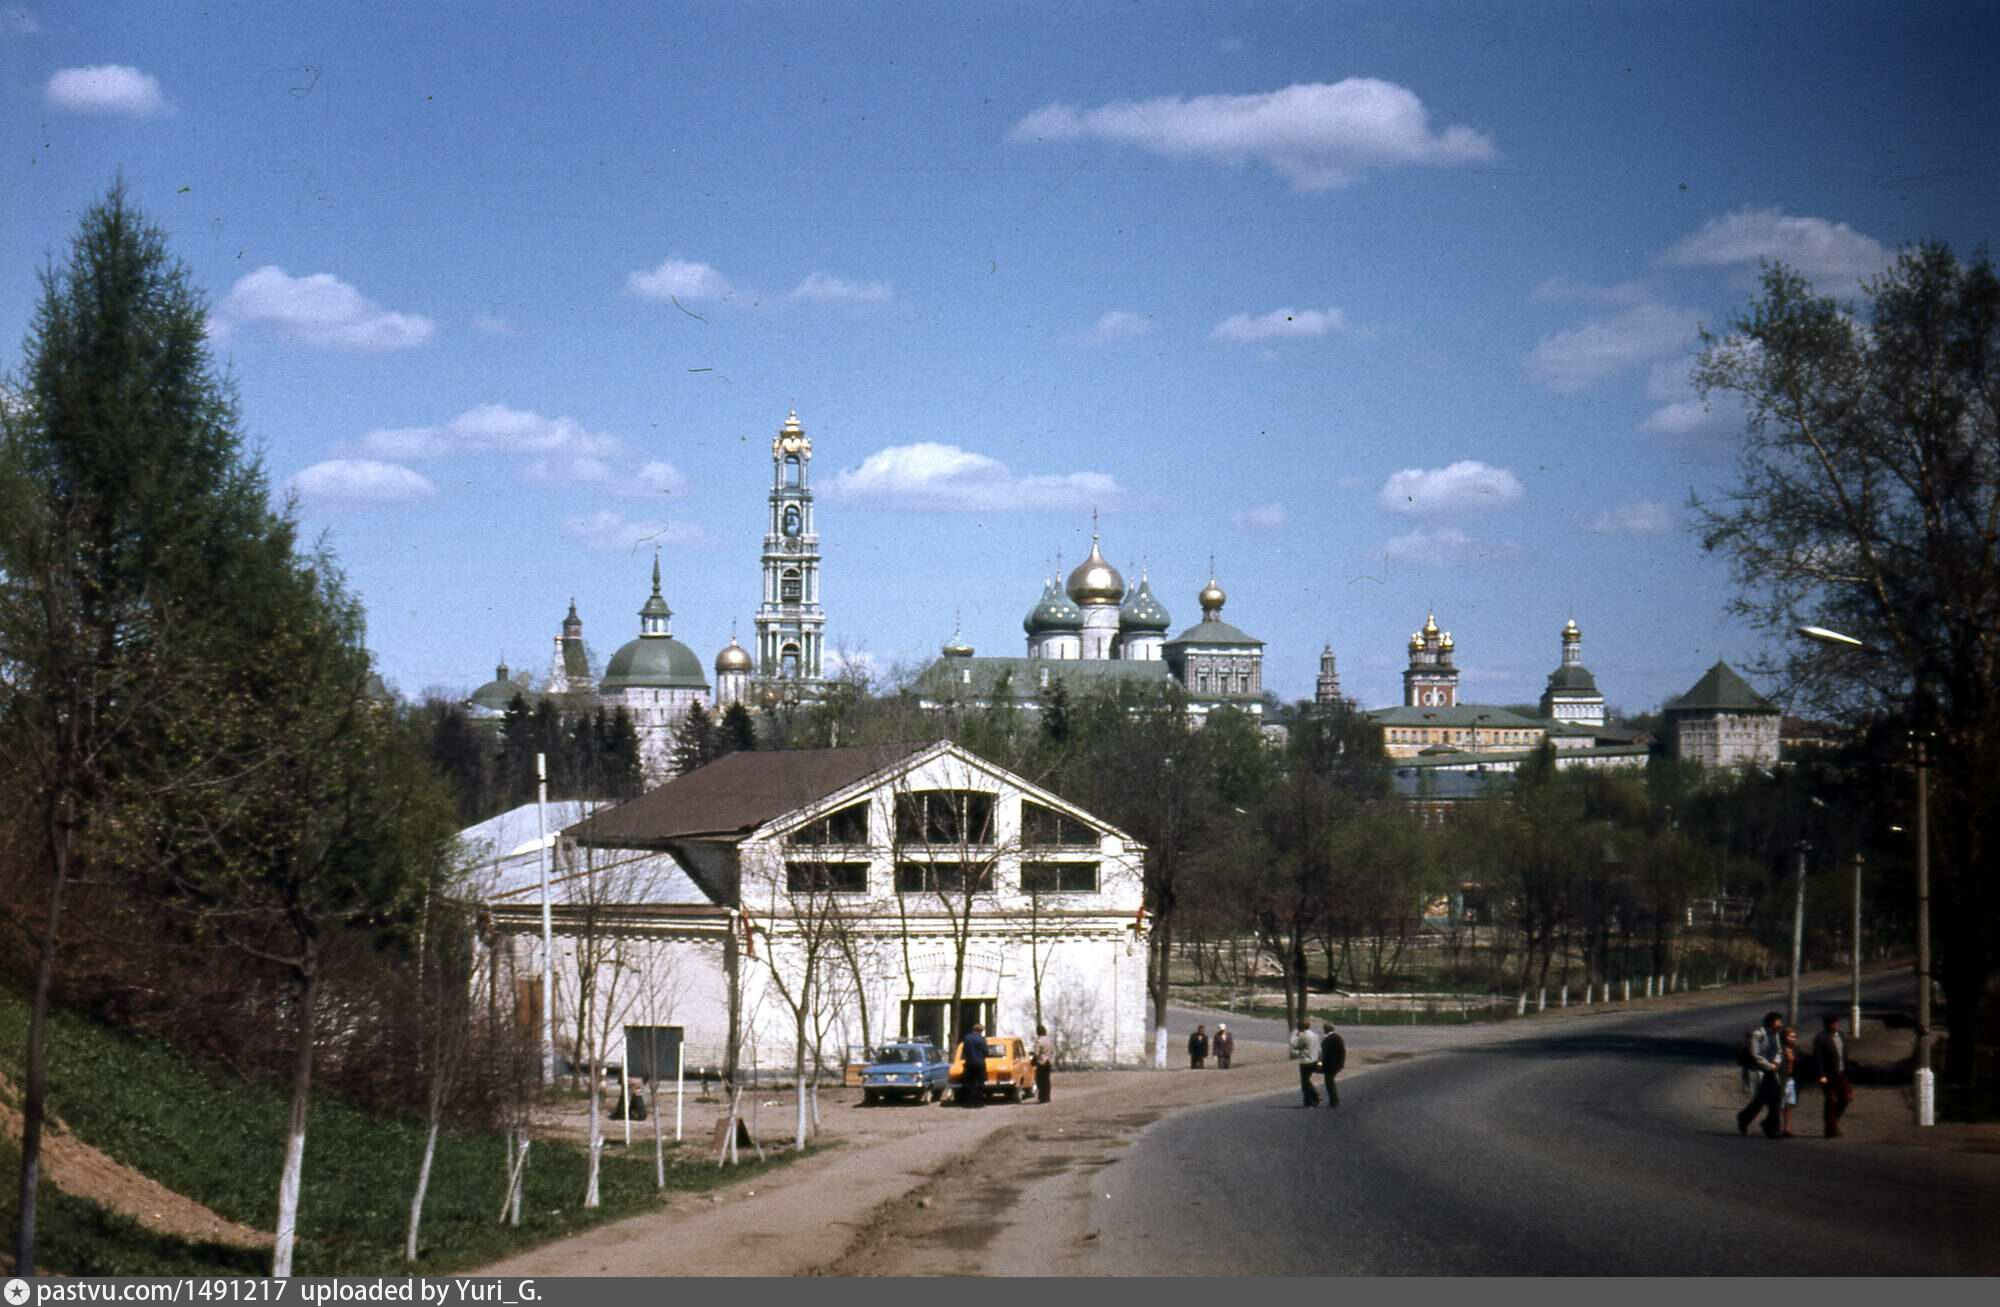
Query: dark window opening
{"points": [[791, 469], [944, 817], [828, 877], [847, 826], [788, 587], [1041, 824], [943, 877], [1059, 878]]}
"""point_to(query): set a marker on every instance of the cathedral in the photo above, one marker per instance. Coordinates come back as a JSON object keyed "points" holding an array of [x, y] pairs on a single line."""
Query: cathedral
{"points": [[1097, 630], [657, 678]]}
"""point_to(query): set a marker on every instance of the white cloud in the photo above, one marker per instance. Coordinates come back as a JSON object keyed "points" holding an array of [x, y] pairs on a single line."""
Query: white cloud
{"points": [[1641, 517], [1316, 134], [1119, 324], [1467, 486], [1262, 517], [823, 289], [579, 468], [320, 310], [1572, 360], [614, 532], [361, 480], [494, 326], [494, 427], [1556, 290], [106, 88], [929, 475], [1428, 548], [657, 478], [1680, 409], [676, 279], [1832, 255], [1281, 324]]}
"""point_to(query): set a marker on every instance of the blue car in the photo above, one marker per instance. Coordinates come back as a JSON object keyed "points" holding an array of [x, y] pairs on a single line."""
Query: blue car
{"points": [[914, 1070]]}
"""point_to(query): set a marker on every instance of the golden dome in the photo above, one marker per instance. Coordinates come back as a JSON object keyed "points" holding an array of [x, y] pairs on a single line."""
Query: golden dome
{"points": [[1431, 624], [1446, 642], [1570, 632], [1416, 642], [792, 427], [1095, 581], [733, 659], [1212, 596]]}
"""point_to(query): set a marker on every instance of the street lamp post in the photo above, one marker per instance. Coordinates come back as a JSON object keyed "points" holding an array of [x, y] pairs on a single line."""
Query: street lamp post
{"points": [[1854, 958], [1798, 933], [1926, 1082]]}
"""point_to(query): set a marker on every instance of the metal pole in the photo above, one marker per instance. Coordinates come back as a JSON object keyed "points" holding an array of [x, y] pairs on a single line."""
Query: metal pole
{"points": [[1854, 959], [680, 1086], [1798, 935], [1926, 1085], [548, 924]]}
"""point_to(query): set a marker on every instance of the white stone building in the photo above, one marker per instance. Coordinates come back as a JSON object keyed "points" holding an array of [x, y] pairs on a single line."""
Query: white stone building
{"points": [[695, 905], [1722, 722]]}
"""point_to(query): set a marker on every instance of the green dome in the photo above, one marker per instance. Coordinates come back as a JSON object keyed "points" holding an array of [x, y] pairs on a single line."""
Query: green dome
{"points": [[1053, 612], [653, 662], [1572, 677], [496, 694], [1141, 611]]}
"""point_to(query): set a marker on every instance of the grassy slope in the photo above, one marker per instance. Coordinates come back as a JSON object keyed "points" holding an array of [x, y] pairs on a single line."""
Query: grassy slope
{"points": [[220, 1141]]}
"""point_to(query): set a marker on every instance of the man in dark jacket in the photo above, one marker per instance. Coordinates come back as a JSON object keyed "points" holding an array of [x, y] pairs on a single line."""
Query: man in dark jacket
{"points": [[1197, 1048], [1224, 1046], [1332, 1060], [972, 1085], [1830, 1056], [1765, 1046]]}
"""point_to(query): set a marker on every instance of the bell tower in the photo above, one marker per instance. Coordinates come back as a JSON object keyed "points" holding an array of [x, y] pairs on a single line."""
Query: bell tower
{"points": [[1431, 681], [790, 623]]}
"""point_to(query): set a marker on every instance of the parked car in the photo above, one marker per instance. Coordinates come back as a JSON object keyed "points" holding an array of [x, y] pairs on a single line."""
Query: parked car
{"points": [[1010, 1067], [914, 1069]]}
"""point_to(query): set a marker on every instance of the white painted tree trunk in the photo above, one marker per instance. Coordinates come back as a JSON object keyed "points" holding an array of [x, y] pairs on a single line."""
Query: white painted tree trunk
{"points": [[1564, 1000], [590, 1198], [1159, 1048], [423, 1185], [1542, 999], [1589, 992], [659, 1141], [293, 1175], [518, 1181]]}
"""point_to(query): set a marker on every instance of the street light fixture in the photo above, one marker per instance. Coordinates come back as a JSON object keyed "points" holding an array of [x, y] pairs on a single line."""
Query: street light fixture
{"points": [[1926, 1082]]}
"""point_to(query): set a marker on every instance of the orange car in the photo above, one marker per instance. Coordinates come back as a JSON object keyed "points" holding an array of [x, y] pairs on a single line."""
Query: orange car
{"points": [[1010, 1067]]}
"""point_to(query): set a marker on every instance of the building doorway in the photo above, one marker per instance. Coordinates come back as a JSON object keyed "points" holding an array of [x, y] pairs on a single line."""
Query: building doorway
{"points": [[926, 1018]]}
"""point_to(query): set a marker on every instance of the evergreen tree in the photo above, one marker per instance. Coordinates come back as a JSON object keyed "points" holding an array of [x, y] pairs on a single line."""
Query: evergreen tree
{"points": [[695, 743], [518, 746], [618, 750], [739, 731], [135, 534]]}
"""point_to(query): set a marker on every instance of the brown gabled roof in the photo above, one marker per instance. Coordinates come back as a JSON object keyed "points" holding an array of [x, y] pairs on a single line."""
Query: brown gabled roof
{"points": [[736, 794]]}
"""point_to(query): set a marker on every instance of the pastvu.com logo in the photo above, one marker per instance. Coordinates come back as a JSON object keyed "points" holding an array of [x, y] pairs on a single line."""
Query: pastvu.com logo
{"points": [[17, 1292]]}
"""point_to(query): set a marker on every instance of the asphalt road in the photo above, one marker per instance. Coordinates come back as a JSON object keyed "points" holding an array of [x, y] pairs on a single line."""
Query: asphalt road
{"points": [[1591, 1149]]}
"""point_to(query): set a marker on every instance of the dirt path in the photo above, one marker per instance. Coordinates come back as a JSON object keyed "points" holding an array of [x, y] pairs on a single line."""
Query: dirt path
{"points": [[80, 1170]]}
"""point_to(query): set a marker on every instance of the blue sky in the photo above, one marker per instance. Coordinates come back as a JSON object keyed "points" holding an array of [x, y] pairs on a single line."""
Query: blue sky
{"points": [[1385, 306]]}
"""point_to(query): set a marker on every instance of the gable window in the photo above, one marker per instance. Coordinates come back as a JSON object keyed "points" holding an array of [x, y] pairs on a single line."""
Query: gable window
{"points": [[1041, 824], [1059, 878], [943, 878], [848, 825], [947, 817], [826, 877]]}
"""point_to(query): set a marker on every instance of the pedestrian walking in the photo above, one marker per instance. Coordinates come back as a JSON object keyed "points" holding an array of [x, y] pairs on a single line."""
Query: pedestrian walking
{"points": [[1305, 1052], [1045, 1063], [1197, 1048], [1788, 1071], [1830, 1061], [972, 1082], [1332, 1060], [1223, 1046], [1759, 1055]]}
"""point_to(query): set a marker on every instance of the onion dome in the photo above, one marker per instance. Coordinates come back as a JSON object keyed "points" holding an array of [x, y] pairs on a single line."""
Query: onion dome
{"points": [[1095, 581], [1141, 611], [1571, 635], [1431, 624], [733, 659], [1416, 642], [1446, 644], [1212, 597], [956, 647], [1053, 612], [496, 694]]}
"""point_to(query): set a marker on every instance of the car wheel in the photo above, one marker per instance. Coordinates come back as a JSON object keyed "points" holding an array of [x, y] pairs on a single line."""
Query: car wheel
{"points": [[869, 1098], [1014, 1094], [937, 1094]]}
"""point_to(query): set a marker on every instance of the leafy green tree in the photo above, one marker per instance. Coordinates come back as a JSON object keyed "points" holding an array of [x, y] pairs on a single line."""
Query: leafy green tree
{"points": [[134, 534]]}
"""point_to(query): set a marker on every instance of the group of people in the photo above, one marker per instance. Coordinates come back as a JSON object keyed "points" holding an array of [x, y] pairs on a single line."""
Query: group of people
{"points": [[1770, 1059], [1200, 1046], [1325, 1054]]}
